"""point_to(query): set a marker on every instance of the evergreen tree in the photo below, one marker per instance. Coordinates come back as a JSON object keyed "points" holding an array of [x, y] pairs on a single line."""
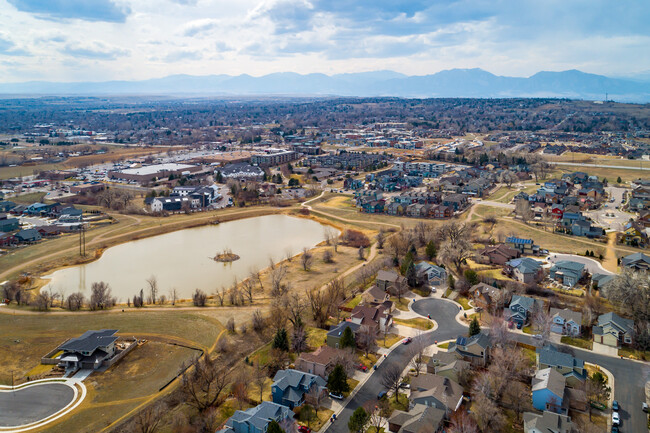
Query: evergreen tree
{"points": [[430, 250], [408, 260], [471, 276], [474, 327], [451, 282], [337, 381], [358, 420], [411, 275], [281, 340], [619, 180], [347, 339], [274, 427]]}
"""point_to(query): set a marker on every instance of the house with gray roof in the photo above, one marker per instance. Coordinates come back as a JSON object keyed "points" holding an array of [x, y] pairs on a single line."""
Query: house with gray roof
{"points": [[89, 351], [636, 261], [601, 280], [572, 368], [290, 386], [336, 332], [431, 274], [436, 391], [524, 269], [420, 419], [547, 422], [474, 349], [257, 419], [524, 246], [566, 322], [567, 272], [520, 309], [387, 280], [613, 330], [548, 390]]}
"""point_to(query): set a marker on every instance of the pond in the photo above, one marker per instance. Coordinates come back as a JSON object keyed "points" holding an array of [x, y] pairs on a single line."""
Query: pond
{"points": [[183, 259]]}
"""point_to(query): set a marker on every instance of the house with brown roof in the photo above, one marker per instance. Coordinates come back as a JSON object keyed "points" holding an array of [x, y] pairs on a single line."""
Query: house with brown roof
{"points": [[388, 280], [420, 419], [320, 362], [499, 254], [436, 391], [485, 296], [374, 317], [375, 296]]}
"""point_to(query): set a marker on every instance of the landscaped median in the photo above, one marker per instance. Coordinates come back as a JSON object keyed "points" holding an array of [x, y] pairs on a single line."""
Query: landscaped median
{"points": [[418, 323]]}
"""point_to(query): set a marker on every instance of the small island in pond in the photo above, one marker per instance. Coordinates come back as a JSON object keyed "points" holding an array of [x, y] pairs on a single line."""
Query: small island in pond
{"points": [[226, 256]]}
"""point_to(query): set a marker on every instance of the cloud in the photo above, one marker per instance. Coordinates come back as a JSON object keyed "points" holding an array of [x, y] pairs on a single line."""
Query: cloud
{"points": [[94, 50], [197, 27], [95, 10], [182, 55], [9, 48]]}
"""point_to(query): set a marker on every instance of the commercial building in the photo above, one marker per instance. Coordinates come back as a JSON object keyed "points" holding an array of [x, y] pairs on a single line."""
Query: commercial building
{"points": [[154, 172]]}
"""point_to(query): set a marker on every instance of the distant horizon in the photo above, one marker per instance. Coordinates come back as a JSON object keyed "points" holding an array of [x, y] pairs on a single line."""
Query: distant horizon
{"points": [[106, 40]]}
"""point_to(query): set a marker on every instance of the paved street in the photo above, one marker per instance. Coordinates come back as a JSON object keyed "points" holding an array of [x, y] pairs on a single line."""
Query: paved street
{"points": [[630, 376], [608, 216], [24, 406]]}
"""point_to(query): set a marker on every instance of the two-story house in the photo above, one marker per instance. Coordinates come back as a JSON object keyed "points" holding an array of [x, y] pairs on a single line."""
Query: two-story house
{"points": [[524, 269], [567, 272], [436, 391], [375, 318], [485, 296], [319, 362], [290, 386], [566, 322], [89, 351], [548, 390], [572, 368], [499, 254], [524, 246], [388, 280], [431, 274], [474, 349], [257, 419], [613, 330], [520, 309]]}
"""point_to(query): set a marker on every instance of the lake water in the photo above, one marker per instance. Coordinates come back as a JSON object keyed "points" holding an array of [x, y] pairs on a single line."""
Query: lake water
{"points": [[183, 259]]}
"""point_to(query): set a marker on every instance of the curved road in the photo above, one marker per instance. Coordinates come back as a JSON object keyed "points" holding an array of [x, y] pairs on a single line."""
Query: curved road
{"points": [[629, 376]]}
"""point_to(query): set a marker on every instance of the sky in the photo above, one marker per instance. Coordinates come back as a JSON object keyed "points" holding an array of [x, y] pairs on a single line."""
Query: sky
{"points": [[98, 40]]}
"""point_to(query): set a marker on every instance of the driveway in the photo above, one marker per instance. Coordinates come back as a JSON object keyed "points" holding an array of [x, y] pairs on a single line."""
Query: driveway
{"points": [[33, 403], [592, 265]]}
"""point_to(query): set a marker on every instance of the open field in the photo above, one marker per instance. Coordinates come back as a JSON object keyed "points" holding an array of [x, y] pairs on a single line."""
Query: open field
{"points": [[610, 174]]}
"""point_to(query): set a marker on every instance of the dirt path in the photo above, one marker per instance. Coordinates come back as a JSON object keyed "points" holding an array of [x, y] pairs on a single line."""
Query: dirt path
{"points": [[610, 261]]}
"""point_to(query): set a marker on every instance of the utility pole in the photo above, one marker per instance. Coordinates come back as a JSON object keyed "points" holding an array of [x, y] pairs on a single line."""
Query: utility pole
{"points": [[82, 240]]}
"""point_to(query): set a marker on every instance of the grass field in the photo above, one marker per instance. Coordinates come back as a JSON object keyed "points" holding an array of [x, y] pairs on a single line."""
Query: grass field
{"points": [[582, 343], [417, 323]]}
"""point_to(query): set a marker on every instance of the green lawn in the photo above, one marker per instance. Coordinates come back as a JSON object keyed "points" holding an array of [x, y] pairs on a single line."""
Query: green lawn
{"points": [[633, 354], [527, 330], [353, 302], [444, 345], [582, 343], [316, 337], [390, 340], [401, 304], [401, 404], [464, 302]]}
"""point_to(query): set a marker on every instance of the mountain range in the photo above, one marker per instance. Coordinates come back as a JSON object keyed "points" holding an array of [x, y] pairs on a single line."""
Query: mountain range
{"points": [[470, 83]]}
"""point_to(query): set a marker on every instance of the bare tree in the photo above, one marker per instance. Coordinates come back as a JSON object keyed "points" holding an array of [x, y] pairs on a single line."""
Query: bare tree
{"points": [[379, 411], [335, 294], [248, 286], [258, 321], [259, 377], [42, 300], [327, 256], [153, 288], [542, 322], [318, 304], [499, 333], [173, 295], [75, 301], [462, 422], [400, 288], [203, 385], [314, 397], [456, 252], [278, 288], [220, 295], [199, 298], [239, 388], [488, 415], [101, 296], [518, 397], [148, 420], [523, 210], [416, 354], [391, 378], [299, 339], [366, 339], [306, 259], [381, 238]]}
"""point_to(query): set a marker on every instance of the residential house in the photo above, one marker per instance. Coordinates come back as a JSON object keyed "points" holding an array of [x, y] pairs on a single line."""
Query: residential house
{"points": [[585, 228], [548, 390], [453, 370], [567, 272], [8, 224], [524, 246], [334, 335], [431, 274], [600, 280], [376, 318], [636, 261], [500, 254], [441, 211], [319, 362], [290, 386], [485, 296], [419, 419], [520, 309], [547, 422], [634, 233], [455, 201], [613, 330], [89, 351], [257, 419], [474, 349], [388, 280], [394, 208], [573, 369], [436, 391], [6, 206], [524, 269], [375, 296], [28, 236], [441, 359], [566, 322]]}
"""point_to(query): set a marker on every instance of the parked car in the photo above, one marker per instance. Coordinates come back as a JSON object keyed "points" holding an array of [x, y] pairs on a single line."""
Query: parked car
{"points": [[362, 367], [616, 420], [336, 396], [381, 395], [644, 406], [407, 340], [615, 429], [615, 406], [519, 325], [333, 418], [537, 336], [405, 385], [304, 429]]}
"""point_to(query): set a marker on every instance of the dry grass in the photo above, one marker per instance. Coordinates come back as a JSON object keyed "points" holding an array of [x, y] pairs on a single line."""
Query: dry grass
{"points": [[418, 323]]}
